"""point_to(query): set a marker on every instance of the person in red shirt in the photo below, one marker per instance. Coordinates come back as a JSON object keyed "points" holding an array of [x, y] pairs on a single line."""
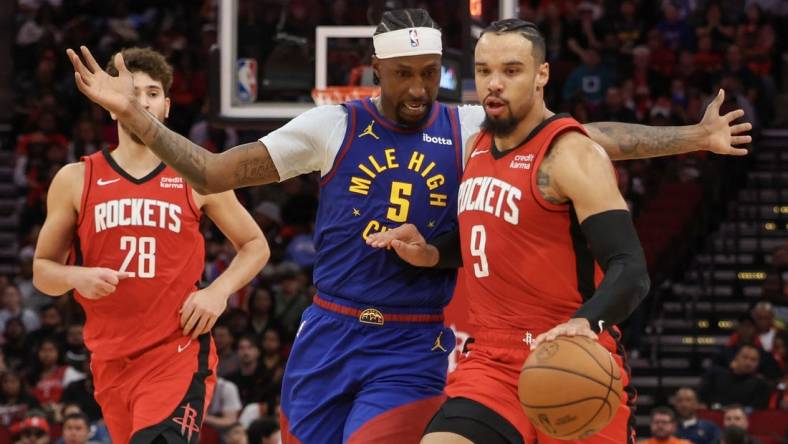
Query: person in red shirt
{"points": [[548, 247], [131, 228]]}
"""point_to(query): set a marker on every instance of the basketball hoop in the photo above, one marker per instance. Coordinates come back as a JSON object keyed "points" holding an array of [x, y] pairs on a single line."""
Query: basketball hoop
{"points": [[334, 95]]}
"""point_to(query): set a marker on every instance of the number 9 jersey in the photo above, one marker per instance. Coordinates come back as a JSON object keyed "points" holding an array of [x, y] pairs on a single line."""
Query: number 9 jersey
{"points": [[148, 228]]}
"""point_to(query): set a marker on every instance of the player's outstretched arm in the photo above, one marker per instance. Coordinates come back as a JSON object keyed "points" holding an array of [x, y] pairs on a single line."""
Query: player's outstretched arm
{"points": [[244, 165], [51, 275], [714, 133], [202, 308], [579, 170]]}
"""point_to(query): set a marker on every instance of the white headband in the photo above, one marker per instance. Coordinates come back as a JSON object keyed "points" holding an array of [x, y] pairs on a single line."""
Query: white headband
{"points": [[407, 42]]}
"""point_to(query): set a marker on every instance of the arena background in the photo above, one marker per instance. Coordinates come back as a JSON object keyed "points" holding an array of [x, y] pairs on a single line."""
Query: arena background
{"points": [[715, 229]]}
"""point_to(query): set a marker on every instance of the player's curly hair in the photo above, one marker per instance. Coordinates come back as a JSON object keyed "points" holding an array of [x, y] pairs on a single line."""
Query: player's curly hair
{"points": [[524, 28], [146, 60], [405, 18]]}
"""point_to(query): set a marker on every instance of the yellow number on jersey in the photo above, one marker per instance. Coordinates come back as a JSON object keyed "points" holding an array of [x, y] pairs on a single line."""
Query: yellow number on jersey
{"points": [[399, 192]]}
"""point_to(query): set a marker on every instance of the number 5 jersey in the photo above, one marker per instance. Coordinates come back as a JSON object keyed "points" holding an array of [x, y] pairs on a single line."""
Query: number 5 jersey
{"points": [[148, 228]]}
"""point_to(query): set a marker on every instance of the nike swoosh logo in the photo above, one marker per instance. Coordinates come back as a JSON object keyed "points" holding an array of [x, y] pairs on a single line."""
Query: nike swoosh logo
{"points": [[183, 347], [601, 326], [477, 153], [102, 182]]}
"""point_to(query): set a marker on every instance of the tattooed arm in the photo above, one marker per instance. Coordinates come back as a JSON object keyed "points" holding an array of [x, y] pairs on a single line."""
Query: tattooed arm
{"points": [[244, 165], [714, 133]]}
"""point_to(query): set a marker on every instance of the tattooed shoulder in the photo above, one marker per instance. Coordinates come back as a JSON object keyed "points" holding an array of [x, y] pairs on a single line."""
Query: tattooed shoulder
{"points": [[543, 181]]}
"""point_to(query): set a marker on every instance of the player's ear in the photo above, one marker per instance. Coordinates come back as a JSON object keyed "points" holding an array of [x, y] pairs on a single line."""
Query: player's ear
{"points": [[542, 75], [376, 69], [167, 104]]}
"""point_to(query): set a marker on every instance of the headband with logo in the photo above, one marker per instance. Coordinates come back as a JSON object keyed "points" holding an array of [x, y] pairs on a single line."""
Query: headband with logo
{"points": [[407, 42]]}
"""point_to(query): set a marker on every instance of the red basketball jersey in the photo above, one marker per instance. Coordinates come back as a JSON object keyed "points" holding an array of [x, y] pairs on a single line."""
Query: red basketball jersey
{"points": [[149, 228], [526, 264]]}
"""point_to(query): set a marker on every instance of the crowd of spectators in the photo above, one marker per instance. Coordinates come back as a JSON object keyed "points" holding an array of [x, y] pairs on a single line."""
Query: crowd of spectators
{"points": [[638, 61]]}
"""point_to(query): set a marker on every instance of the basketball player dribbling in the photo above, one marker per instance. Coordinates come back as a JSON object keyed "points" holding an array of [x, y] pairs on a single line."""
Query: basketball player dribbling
{"points": [[538, 208], [131, 225], [369, 362]]}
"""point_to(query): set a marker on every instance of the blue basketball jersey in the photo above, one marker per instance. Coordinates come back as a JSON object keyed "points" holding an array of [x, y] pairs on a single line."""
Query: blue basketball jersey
{"points": [[383, 176]]}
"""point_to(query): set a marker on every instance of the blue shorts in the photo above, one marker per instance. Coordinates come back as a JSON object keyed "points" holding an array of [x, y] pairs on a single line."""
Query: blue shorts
{"points": [[361, 377]]}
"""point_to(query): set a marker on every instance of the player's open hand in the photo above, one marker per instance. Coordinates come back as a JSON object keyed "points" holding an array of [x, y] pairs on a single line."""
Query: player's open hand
{"points": [[200, 312], [95, 282], [722, 133], [408, 243], [115, 94], [572, 327]]}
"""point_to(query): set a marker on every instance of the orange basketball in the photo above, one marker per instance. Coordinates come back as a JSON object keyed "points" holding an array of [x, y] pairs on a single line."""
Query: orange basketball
{"points": [[570, 388]]}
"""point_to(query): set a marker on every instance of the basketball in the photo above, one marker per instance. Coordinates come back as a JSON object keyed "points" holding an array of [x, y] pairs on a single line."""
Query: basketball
{"points": [[570, 388]]}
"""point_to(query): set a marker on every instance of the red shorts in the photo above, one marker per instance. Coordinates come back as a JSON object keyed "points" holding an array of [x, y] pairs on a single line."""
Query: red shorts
{"points": [[164, 390], [489, 374]]}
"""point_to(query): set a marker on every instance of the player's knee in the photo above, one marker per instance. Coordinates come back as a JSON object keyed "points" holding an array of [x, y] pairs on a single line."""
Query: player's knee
{"points": [[445, 438]]}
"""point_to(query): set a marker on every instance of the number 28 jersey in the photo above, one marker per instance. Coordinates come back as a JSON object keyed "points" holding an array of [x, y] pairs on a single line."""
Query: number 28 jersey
{"points": [[149, 228]]}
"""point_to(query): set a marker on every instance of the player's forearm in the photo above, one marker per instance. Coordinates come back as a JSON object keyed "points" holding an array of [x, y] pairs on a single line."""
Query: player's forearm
{"points": [[53, 278], [192, 162], [630, 141], [615, 246], [249, 260]]}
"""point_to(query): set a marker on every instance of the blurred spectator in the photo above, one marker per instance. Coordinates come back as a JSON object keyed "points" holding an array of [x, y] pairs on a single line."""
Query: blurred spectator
{"points": [[663, 428], [690, 427], [735, 416], [628, 27], [76, 354], [15, 399], [15, 348], [261, 311], [228, 359], [675, 31], [779, 398], [735, 435], [737, 383], [12, 308], [225, 406], [51, 326], [264, 431], [252, 379], [615, 109], [80, 393], [31, 430], [746, 333], [47, 374], [97, 429], [85, 142], [714, 29], [590, 80], [763, 315], [235, 434], [587, 33], [76, 429], [272, 355], [291, 298]]}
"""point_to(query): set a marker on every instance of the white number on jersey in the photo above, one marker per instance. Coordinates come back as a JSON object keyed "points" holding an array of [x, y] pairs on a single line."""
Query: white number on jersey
{"points": [[478, 243], [146, 259]]}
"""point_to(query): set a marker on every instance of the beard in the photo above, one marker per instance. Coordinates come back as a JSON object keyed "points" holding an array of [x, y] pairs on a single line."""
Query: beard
{"points": [[501, 126]]}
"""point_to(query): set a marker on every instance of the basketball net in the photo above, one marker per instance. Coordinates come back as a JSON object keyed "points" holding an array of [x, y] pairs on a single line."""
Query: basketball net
{"points": [[334, 95]]}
